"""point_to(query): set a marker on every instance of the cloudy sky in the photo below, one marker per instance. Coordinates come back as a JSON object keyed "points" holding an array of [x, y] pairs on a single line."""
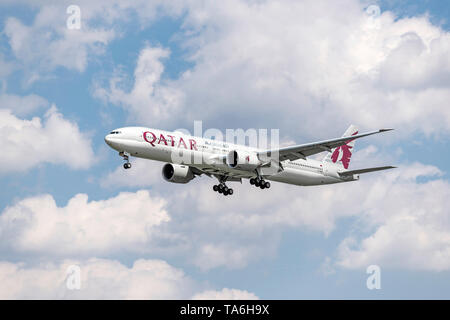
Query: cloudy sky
{"points": [[308, 68]]}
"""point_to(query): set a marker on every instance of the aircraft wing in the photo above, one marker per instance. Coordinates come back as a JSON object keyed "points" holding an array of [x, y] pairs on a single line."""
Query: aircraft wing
{"points": [[352, 172], [305, 150]]}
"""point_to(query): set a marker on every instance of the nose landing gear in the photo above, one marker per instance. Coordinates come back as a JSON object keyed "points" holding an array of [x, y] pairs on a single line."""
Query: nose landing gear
{"points": [[126, 157]]}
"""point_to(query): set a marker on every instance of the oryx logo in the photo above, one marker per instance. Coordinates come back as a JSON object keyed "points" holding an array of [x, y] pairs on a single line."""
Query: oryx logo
{"points": [[343, 153], [247, 158]]}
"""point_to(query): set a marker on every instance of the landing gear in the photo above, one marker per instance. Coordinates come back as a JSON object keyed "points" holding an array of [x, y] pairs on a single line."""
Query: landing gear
{"points": [[260, 182], [223, 189], [127, 165], [126, 157]]}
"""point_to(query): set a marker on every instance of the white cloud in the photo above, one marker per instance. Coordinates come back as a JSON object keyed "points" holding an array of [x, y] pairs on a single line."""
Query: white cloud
{"points": [[375, 155], [339, 69], [392, 207], [110, 11], [126, 222], [144, 173], [149, 99], [100, 279], [417, 62], [6, 67], [48, 43], [247, 227], [106, 279], [225, 294], [51, 139], [402, 222], [408, 222], [232, 255], [249, 64], [22, 105]]}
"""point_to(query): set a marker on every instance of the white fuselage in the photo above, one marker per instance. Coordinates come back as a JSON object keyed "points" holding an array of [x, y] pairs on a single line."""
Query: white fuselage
{"points": [[207, 155]]}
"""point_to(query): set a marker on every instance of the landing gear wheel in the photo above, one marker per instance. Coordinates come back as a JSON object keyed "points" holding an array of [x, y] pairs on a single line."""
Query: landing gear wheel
{"points": [[262, 186], [222, 187], [252, 181], [126, 156], [127, 165], [267, 184]]}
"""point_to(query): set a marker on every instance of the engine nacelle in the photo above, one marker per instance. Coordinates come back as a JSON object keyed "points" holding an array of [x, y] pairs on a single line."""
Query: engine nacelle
{"points": [[177, 173], [243, 160]]}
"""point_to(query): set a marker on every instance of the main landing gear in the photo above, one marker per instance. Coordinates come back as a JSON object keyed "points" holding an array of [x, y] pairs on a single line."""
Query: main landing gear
{"points": [[223, 189], [260, 182], [126, 157]]}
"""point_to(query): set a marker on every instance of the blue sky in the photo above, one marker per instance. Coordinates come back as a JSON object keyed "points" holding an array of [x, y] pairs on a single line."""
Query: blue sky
{"points": [[308, 69]]}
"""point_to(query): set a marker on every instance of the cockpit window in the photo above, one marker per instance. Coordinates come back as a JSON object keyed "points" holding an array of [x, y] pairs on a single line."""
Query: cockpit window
{"points": [[114, 132]]}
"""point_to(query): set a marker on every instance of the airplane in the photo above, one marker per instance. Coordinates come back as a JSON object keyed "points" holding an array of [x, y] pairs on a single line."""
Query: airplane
{"points": [[232, 162]]}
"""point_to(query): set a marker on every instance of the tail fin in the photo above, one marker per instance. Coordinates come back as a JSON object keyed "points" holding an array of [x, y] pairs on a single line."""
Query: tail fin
{"points": [[342, 154]]}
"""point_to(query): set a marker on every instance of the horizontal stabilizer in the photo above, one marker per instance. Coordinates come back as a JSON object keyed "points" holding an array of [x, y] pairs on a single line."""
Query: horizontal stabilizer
{"points": [[352, 172]]}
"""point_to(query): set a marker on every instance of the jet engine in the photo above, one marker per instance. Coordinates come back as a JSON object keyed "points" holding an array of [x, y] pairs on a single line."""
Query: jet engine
{"points": [[243, 160], [177, 173]]}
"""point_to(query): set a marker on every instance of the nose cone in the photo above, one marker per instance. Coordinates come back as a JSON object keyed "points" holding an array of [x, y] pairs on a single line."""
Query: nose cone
{"points": [[108, 139]]}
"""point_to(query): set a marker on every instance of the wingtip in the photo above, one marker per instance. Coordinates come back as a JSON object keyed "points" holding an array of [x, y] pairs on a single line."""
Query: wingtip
{"points": [[386, 129]]}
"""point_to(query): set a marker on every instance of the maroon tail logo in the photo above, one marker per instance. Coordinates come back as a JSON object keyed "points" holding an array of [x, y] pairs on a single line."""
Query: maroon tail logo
{"points": [[345, 152]]}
